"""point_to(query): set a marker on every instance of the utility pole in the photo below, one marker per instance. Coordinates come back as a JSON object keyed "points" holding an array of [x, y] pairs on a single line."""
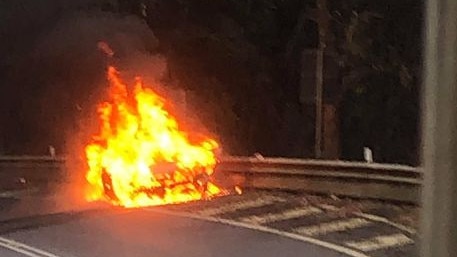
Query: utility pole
{"points": [[439, 198], [321, 16], [319, 90]]}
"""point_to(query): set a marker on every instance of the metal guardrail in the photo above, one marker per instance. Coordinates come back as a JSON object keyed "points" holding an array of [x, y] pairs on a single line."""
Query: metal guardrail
{"points": [[353, 179], [21, 172], [31, 158]]}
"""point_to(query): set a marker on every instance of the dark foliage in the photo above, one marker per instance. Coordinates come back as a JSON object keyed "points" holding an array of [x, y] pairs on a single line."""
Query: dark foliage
{"points": [[239, 63]]}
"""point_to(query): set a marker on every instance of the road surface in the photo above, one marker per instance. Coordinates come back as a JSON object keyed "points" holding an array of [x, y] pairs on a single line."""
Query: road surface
{"points": [[252, 224], [147, 233]]}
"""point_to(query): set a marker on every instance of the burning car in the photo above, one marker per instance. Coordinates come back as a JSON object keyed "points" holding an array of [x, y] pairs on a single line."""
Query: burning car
{"points": [[163, 173], [141, 157]]}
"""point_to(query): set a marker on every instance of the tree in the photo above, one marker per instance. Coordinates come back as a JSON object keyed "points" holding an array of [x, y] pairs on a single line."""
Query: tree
{"points": [[249, 67], [376, 45], [380, 47]]}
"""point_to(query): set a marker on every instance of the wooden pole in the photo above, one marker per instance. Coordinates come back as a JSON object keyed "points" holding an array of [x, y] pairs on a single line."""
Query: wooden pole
{"points": [[319, 90], [322, 18]]}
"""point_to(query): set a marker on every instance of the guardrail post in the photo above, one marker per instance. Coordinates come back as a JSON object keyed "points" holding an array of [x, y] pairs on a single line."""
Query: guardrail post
{"points": [[439, 213]]}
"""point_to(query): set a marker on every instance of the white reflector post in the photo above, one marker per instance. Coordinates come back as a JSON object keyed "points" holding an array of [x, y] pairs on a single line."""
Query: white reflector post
{"points": [[439, 198]]}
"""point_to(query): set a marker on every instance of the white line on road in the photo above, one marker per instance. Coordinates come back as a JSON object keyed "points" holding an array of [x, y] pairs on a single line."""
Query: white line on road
{"points": [[372, 217], [380, 242], [19, 250], [285, 215], [328, 207], [24, 249], [386, 221], [334, 247], [334, 226], [261, 201]]}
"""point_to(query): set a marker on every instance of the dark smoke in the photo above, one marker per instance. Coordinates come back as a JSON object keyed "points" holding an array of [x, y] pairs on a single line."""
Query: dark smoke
{"points": [[52, 75]]}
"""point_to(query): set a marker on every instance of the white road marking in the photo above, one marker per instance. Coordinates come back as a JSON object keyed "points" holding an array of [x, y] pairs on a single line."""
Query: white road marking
{"points": [[334, 226], [334, 247], [329, 207], [285, 215], [261, 201], [386, 221], [24, 249], [372, 218], [19, 250], [380, 242]]}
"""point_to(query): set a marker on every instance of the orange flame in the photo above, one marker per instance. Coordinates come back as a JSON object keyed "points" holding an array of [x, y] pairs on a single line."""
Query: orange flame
{"points": [[238, 190], [140, 157]]}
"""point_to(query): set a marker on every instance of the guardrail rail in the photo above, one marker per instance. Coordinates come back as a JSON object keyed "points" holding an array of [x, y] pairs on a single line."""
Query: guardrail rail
{"points": [[354, 179]]}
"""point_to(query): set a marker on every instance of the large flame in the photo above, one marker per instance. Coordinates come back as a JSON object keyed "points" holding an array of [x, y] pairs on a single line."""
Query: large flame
{"points": [[140, 157]]}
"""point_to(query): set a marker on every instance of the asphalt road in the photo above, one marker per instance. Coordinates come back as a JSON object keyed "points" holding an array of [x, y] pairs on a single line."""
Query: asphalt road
{"points": [[143, 232], [256, 223]]}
